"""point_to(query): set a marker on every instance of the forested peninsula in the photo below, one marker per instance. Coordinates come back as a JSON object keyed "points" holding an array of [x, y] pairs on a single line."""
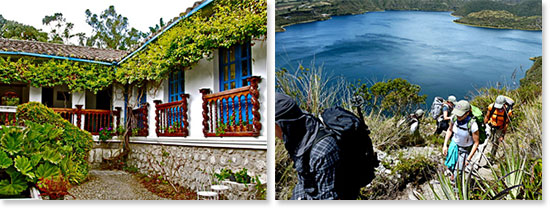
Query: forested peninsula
{"points": [[505, 14]]}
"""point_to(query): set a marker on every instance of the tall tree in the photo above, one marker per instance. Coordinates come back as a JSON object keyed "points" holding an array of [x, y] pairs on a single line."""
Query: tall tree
{"points": [[15, 30], [111, 30], [60, 29], [157, 27]]}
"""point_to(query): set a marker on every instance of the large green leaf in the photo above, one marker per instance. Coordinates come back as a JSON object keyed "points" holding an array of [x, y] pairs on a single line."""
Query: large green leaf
{"points": [[5, 160], [51, 131], [51, 155], [35, 159], [47, 170], [15, 185], [24, 166], [12, 140], [74, 172]]}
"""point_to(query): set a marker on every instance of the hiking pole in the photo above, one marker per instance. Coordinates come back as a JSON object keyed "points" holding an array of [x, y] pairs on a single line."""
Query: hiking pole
{"points": [[357, 102]]}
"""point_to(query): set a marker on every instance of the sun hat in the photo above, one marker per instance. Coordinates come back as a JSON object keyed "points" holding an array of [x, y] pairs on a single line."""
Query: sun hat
{"points": [[461, 108], [499, 102]]}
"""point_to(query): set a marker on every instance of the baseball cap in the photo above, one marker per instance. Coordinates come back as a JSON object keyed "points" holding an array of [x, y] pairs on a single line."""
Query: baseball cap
{"points": [[419, 112], [499, 102], [451, 99], [461, 108]]}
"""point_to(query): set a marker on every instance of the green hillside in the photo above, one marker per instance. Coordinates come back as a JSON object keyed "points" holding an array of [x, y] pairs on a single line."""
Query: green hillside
{"points": [[524, 8], [290, 12], [528, 13], [534, 74], [502, 20]]}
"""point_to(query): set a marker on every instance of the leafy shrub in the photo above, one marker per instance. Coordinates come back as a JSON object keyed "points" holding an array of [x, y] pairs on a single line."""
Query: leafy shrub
{"points": [[242, 176], [224, 174], [239, 177], [34, 153], [77, 141]]}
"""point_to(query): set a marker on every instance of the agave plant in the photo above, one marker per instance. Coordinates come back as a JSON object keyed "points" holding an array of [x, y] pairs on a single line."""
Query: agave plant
{"points": [[508, 181]]}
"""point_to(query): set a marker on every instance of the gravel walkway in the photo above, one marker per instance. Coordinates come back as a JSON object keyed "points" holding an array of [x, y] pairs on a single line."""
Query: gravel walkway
{"points": [[111, 185]]}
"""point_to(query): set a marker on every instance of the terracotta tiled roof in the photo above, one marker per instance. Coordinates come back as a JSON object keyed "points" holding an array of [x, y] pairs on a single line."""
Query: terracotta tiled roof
{"points": [[82, 52]]}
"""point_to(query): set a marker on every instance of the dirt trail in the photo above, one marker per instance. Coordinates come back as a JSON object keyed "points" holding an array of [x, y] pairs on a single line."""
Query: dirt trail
{"points": [[111, 185]]}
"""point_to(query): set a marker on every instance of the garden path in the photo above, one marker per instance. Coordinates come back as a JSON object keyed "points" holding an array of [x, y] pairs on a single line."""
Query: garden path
{"points": [[111, 185]]}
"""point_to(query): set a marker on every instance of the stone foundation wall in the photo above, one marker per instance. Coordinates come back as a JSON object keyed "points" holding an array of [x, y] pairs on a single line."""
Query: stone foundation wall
{"points": [[194, 167], [102, 151], [190, 166]]}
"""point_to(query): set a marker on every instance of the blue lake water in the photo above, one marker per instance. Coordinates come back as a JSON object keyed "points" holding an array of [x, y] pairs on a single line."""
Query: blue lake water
{"points": [[425, 48]]}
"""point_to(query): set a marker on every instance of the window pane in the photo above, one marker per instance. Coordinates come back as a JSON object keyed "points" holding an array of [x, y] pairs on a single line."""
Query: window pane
{"points": [[245, 82], [224, 57], [244, 65], [232, 73], [225, 86], [232, 54], [233, 85], [244, 49], [225, 74]]}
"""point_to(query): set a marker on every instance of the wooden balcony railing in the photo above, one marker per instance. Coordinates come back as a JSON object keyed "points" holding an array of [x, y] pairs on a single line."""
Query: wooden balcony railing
{"points": [[234, 112], [94, 119], [138, 122], [171, 118], [7, 116]]}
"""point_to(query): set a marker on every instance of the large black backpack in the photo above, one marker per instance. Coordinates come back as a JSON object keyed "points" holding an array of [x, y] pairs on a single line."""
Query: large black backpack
{"points": [[357, 156]]}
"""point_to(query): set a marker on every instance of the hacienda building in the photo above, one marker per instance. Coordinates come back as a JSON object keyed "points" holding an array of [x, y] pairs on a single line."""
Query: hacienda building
{"points": [[192, 123]]}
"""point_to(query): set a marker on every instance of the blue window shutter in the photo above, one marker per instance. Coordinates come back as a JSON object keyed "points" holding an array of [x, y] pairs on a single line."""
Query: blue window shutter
{"points": [[176, 86], [229, 79]]}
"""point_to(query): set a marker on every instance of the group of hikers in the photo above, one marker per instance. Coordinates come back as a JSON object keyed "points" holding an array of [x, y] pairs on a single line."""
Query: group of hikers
{"points": [[467, 127], [333, 155]]}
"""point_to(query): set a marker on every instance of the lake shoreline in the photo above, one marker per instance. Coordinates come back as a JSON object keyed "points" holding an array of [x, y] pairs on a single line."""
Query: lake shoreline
{"points": [[282, 27]]}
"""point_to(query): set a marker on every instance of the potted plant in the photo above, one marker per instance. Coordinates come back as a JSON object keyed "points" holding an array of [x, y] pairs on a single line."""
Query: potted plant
{"points": [[10, 101]]}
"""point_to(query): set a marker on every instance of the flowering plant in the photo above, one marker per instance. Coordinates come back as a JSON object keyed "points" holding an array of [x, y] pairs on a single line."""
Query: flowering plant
{"points": [[105, 134], [54, 187]]}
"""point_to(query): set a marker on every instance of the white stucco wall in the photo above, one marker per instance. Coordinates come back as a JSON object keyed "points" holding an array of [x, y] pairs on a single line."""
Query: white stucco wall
{"points": [[35, 94], [205, 75]]}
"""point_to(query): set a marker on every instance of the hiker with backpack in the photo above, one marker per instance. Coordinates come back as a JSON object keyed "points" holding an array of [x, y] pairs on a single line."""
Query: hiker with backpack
{"points": [[414, 121], [464, 135], [441, 111], [498, 118], [333, 159]]}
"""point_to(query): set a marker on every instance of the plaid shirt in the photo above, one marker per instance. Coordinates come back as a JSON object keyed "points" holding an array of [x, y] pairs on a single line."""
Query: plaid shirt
{"points": [[320, 183]]}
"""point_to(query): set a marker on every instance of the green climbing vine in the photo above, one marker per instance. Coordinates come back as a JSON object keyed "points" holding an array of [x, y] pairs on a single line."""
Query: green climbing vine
{"points": [[222, 24], [77, 76]]}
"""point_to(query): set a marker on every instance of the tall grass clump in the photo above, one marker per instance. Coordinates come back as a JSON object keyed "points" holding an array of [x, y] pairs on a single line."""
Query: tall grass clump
{"points": [[285, 174], [313, 89]]}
